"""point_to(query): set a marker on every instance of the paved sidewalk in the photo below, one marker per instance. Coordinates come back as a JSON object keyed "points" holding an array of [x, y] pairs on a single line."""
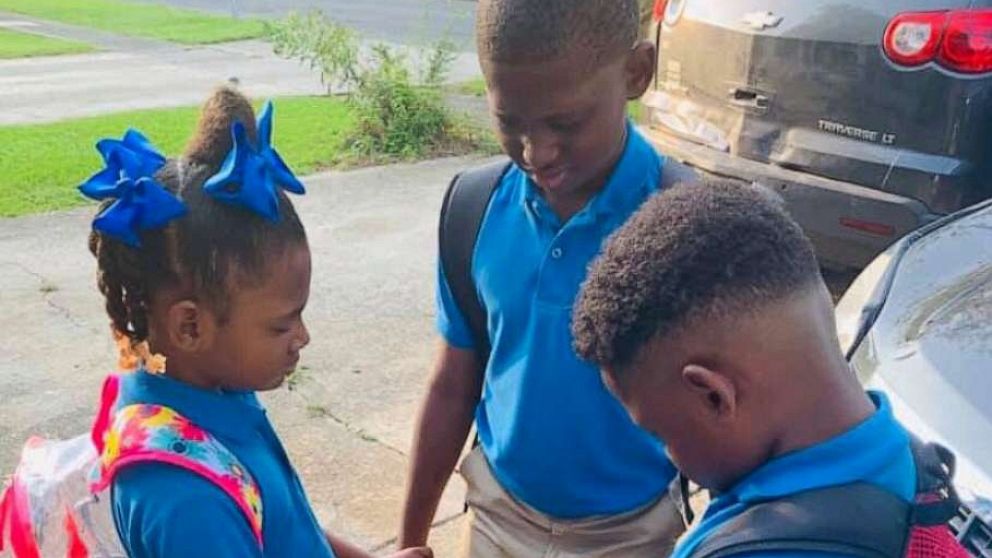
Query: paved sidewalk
{"points": [[348, 422], [140, 73], [100, 39]]}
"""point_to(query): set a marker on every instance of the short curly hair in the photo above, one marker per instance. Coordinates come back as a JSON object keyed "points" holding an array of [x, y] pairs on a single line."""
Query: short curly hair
{"points": [[712, 249], [536, 30]]}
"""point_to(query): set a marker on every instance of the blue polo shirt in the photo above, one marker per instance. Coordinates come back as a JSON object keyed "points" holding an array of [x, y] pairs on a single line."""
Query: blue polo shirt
{"points": [[877, 451], [163, 511], [555, 438]]}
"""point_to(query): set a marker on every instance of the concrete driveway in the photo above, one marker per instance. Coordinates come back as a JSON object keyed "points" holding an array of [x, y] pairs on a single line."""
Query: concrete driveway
{"points": [[347, 423]]}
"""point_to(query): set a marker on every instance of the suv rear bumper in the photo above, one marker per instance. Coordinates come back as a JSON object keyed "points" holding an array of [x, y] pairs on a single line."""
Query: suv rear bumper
{"points": [[833, 213]]}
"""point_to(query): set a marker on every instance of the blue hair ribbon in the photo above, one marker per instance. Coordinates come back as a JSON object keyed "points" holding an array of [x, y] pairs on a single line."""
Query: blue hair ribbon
{"points": [[141, 203], [250, 175]]}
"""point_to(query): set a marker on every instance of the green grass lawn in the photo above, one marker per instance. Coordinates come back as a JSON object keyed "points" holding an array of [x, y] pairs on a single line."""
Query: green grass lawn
{"points": [[20, 45], [41, 164], [140, 20], [474, 87]]}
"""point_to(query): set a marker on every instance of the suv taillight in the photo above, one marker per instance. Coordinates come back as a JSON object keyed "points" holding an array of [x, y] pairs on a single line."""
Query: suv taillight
{"points": [[659, 10], [958, 40], [967, 45], [913, 39]]}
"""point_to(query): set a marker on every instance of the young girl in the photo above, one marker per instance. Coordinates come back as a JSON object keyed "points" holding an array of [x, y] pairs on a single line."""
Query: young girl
{"points": [[205, 268]]}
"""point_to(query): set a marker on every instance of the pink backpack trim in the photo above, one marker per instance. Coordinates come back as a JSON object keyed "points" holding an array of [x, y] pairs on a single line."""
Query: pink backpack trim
{"points": [[101, 423], [108, 474], [15, 513]]}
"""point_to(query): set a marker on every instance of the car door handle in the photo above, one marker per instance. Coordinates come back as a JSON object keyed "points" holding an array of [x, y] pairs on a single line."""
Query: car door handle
{"points": [[748, 98]]}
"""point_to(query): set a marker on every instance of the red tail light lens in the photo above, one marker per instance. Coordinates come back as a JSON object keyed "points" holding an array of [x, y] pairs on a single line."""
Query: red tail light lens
{"points": [[959, 40], [871, 227], [914, 39], [967, 45], [659, 10]]}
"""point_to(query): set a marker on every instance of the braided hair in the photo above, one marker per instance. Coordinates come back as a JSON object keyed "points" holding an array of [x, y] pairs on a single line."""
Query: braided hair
{"points": [[211, 249]]}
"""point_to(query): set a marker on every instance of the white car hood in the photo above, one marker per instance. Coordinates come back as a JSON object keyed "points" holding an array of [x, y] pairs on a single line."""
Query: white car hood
{"points": [[974, 487]]}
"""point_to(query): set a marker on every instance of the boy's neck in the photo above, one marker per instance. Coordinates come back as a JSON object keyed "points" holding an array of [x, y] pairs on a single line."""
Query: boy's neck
{"points": [[808, 380], [838, 407]]}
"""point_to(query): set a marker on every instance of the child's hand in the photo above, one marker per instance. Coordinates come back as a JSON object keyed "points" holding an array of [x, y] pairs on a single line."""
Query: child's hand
{"points": [[422, 552]]}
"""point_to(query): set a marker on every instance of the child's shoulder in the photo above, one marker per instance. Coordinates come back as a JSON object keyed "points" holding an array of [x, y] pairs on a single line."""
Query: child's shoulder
{"points": [[161, 465], [155, 434], [163, 510]]}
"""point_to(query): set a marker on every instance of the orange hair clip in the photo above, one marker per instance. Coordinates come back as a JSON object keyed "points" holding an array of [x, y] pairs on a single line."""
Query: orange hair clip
{"points": [[131, 356]]}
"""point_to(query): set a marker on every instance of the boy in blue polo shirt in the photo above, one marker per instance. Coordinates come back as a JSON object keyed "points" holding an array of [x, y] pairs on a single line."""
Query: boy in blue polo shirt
{"points": [[710, 320], [560, 468]]}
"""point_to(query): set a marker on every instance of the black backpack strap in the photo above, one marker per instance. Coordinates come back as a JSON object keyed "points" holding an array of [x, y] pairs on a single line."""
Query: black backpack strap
{"points": [[462, 213], [859, 520], [674, 172], [855, 519], [678, 490], [936, 500]]}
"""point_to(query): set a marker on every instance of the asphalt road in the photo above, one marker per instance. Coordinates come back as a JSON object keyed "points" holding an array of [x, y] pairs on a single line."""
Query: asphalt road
{"points": [[401, 21]]}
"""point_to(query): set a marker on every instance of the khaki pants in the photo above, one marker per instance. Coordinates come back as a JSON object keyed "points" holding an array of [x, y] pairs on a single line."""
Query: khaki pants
{"points": [[501, 527]]}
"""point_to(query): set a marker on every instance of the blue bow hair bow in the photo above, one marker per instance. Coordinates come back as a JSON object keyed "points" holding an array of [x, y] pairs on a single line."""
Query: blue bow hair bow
{"points": [[142, 203], [249, 175]]}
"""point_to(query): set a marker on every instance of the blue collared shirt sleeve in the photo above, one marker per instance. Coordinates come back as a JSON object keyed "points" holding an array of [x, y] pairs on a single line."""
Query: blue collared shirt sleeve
{"points": [[162, 511], [451, 324]]}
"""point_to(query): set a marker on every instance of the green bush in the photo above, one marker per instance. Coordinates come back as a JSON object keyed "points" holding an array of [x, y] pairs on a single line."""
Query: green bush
{"points": [[394, 115], [400, 112], [322, 44]]}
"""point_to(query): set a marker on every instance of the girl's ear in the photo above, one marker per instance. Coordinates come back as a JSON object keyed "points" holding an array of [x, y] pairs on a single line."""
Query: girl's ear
{"points": [[191, 327], [639, 69]]}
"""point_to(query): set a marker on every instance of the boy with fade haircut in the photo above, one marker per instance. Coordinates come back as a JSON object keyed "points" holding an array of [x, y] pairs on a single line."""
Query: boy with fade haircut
{"points": [[560, 469], [710, 321]]}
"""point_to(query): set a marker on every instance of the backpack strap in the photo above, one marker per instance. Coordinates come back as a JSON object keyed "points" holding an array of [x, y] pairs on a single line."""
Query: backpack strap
{"points": [[144, 433], [678, 490], [673, 172], [464, 208], [858, 519], [937, 501]]}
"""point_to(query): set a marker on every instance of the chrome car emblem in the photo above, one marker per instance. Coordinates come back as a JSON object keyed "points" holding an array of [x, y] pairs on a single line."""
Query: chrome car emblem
{"points": [[759, 21]]}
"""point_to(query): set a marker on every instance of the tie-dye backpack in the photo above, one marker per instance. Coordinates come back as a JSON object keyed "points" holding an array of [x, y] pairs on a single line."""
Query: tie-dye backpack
{"points": [[56, 504]]}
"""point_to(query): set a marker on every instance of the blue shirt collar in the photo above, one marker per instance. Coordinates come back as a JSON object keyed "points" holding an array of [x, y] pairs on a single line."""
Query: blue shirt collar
{"points": [[635, 175], [875, 451], [231, 414], [859, 454]]}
